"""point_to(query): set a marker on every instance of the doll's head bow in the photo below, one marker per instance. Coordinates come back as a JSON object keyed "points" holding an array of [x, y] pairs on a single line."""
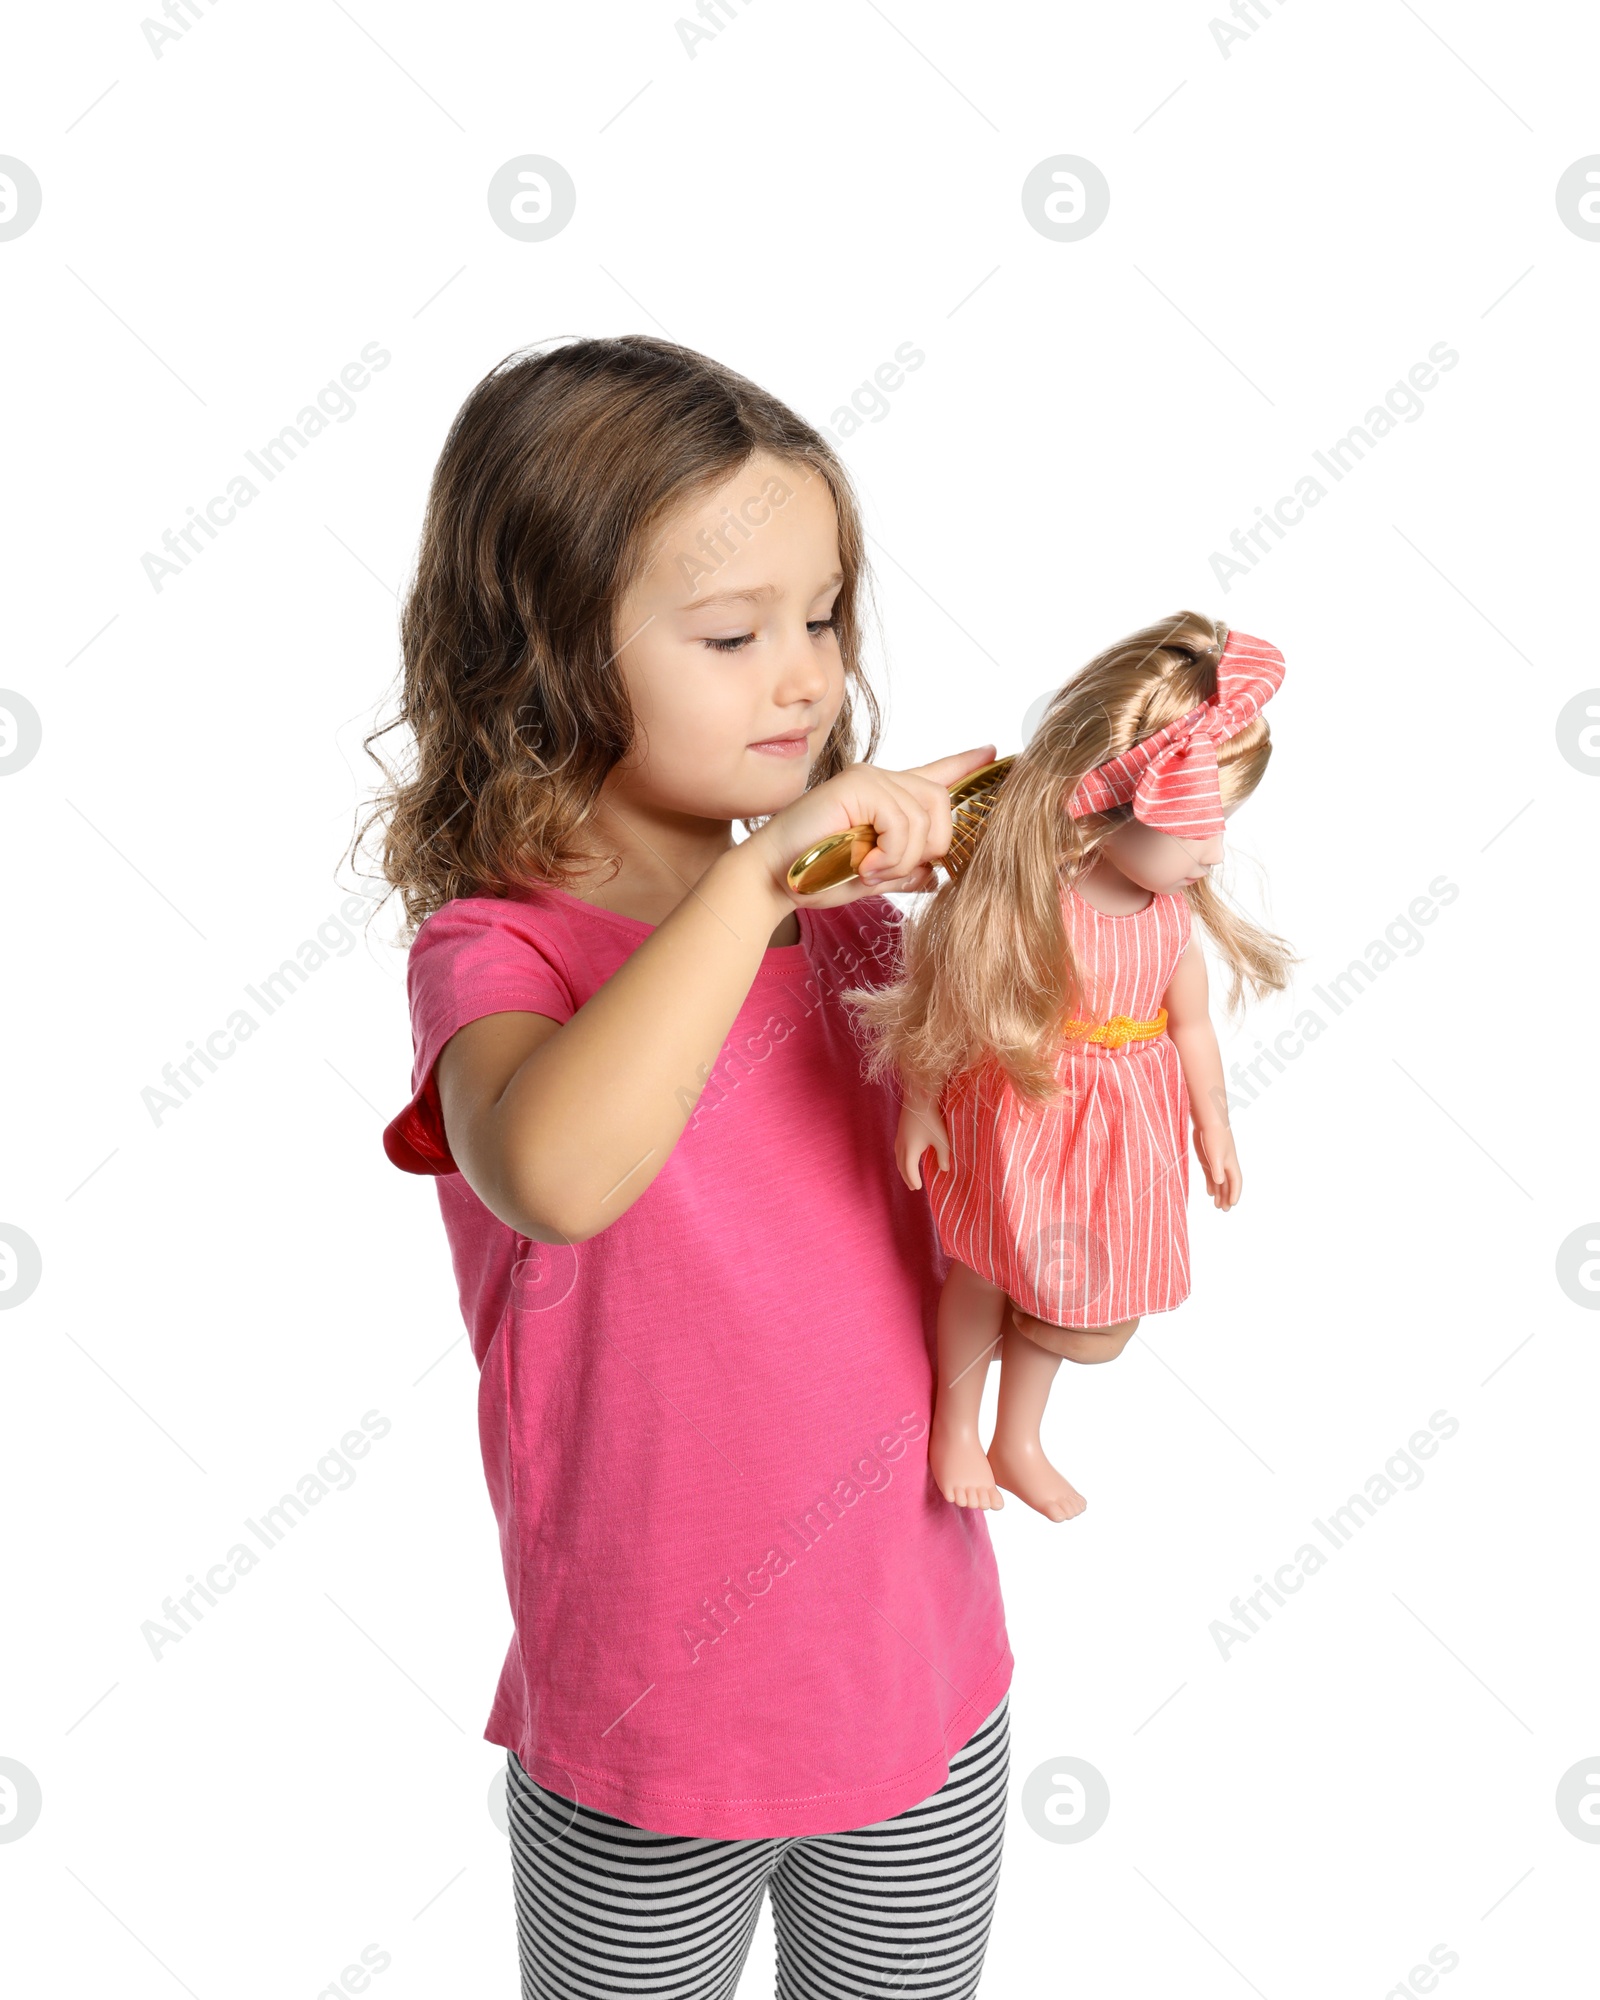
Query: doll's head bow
{"points": [[1171, 775]]}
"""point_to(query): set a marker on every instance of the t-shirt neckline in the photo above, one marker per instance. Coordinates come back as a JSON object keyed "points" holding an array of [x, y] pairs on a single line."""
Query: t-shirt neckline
{"points": [[776, 958]]}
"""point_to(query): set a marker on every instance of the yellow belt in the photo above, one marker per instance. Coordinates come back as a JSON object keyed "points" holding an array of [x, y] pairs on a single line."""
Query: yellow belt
{"points": [[1116, 1031]]}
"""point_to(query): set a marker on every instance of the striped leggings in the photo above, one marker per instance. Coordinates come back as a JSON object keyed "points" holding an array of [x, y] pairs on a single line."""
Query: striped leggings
{"points": [[901, 1907]]}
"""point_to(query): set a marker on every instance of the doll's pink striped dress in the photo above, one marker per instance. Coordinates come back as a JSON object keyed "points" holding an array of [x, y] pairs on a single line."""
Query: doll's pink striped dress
{"points": [[1078, 1209]]}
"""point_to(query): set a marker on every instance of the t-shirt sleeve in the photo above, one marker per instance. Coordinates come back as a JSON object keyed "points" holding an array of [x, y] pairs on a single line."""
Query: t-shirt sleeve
{"points": [[475, 956]]}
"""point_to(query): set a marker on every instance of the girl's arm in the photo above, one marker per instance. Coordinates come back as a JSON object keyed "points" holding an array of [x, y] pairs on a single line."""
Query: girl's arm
{"points": [[1189, 1025], [559, 1127]]}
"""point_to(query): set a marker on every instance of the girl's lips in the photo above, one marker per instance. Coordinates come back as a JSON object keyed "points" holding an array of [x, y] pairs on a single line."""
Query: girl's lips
{"points": [[783, 746]]}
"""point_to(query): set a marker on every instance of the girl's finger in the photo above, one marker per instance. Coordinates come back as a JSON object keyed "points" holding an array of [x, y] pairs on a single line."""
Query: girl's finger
{"points": [[888, 815], [919, 878], [934, 801], [920, 804], [945, 771], [906, 843]]}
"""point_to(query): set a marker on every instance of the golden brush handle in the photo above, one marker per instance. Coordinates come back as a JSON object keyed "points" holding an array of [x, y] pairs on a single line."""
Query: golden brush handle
{"points": [[832, 861]]}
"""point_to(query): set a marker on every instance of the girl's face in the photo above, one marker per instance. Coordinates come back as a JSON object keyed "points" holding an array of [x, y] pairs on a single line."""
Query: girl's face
{"points": [[1161, 862], [727, 648]]}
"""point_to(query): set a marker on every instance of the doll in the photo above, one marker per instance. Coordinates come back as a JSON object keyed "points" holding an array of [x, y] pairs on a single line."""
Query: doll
{"points": [[1051, 1035]]}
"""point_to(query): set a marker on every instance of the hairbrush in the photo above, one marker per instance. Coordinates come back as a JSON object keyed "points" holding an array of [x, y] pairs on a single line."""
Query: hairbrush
{"points": [[838, 858]]}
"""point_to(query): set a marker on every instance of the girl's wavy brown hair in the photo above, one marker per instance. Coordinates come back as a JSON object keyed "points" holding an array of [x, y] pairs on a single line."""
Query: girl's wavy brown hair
{"points": [[989, 974], [558, 472]]}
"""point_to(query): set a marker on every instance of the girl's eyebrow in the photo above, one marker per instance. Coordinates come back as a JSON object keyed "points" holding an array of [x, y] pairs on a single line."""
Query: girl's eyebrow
{"points": [[755, 594]]}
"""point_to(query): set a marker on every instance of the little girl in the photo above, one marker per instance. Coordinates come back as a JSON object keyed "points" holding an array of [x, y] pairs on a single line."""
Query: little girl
{"points": [[1053, 1033], [753, 1647]]}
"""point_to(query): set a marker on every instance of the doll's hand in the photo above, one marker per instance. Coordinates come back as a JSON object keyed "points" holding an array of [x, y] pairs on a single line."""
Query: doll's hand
{"points": [[1213, 1145], [921, 1126]]}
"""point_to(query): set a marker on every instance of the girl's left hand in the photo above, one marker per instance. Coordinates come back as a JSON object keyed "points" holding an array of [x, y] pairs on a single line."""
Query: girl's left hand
{"points": [[1213, 1145]]}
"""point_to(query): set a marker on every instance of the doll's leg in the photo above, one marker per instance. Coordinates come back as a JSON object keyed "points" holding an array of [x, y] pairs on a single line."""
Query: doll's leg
{"points": [[970, 1312], [1016, 1454], [1075, 1343]]}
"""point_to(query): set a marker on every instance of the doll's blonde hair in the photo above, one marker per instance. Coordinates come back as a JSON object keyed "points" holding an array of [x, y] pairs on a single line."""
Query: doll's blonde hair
{"points": [[989, 973]]}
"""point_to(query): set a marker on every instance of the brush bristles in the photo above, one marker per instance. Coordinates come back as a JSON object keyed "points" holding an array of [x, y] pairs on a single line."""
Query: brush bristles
{"points": [[968, 818]]}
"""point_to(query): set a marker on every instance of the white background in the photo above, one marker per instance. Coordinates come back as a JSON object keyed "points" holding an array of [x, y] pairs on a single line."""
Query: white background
{"points": [[1292, 226]]}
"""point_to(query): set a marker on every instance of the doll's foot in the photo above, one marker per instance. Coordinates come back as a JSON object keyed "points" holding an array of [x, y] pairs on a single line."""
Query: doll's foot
{"points": [[1025, 1471], [960, 1468]]}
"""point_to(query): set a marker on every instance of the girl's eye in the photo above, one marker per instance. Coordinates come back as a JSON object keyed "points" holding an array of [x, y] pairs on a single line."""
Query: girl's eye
{"points": [[813, 626]]}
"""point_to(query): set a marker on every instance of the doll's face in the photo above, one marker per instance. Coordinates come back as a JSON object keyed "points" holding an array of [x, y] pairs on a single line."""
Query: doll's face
{"points": [[1161, 862], [725, 642]]}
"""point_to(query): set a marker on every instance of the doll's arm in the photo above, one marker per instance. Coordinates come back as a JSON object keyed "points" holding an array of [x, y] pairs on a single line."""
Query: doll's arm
{"points": [[921, 1126], [1189, 1025]]}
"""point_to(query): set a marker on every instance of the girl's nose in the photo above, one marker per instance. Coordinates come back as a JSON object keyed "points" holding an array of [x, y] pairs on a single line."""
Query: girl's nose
{"points": [[803, 670]]}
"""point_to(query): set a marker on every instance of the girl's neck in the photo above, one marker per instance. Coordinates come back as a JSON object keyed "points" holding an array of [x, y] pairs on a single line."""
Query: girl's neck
{"points": [[660, 863], [656, 874], [1105, 888], [647, 887], [653, 895]]}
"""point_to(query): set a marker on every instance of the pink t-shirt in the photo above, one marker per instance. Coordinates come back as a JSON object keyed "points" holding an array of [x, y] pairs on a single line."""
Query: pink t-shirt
{"points": [[741, 1606]]}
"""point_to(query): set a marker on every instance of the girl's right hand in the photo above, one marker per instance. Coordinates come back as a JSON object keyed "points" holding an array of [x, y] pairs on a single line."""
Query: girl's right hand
{"points": [[910, 809]]}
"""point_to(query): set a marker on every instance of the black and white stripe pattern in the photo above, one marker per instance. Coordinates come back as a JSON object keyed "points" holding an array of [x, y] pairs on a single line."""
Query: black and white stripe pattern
{"points": [[898, 1908]]}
